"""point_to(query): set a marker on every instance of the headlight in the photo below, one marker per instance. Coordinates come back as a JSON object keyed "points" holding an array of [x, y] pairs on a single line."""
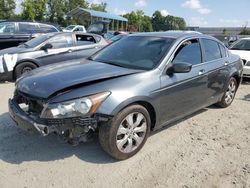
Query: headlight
{"points": [[75, 108]]}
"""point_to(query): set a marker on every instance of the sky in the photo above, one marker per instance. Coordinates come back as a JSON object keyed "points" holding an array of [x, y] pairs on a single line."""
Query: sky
{"points": [[203, 13]]}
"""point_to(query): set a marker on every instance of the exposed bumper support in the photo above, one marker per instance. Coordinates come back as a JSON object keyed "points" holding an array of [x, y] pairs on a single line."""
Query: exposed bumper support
{"points": [[25, 122]]}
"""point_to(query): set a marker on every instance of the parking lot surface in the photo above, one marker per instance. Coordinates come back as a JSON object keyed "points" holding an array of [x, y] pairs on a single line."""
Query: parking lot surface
{"points": [[208, 149]]}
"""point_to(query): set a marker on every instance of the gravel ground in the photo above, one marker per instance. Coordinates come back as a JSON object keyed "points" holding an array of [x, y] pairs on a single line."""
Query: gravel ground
{"points": [[209, 149]]}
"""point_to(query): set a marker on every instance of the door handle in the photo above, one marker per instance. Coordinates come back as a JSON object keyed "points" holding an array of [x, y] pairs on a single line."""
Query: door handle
{"points": [[69, 51], [201, 72], [226, 63]]}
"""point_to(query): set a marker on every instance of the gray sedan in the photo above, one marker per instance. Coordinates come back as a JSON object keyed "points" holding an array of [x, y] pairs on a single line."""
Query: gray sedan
{"points": [[128, 89], [47, 49]]}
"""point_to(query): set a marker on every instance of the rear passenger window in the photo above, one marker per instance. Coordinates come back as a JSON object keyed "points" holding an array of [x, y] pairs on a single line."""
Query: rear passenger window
{"points": [[223, 51], [28, 28], [212, 50], [84, 40], [47, 28], [189, 52]]}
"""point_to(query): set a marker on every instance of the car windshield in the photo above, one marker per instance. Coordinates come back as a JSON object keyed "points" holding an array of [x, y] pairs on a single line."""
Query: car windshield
{"points": [[70, 27], [136, 52], [241, 45], [36, 41]]}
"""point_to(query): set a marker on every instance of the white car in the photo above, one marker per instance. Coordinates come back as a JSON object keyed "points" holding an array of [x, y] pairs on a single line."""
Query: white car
{"points": [[242, 48], [75, 28]]}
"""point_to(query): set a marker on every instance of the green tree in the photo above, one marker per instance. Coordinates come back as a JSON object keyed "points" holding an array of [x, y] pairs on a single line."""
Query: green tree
{"points": [[137, 21], [28, 12], [224, 32], [7, 8], [245, 31], [99, 7], [72, 4], [56, 11], [158, 21], [34, 9], [165, 23]]}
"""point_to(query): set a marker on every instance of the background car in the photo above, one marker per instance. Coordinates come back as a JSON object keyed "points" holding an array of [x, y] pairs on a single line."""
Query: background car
{"points": [[117, 37], [128, 89], [47, 49], [75, 28], [13, 33], [242, 48]]}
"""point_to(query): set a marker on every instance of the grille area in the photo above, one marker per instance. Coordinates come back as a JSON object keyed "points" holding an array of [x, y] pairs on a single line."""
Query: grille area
{"points": [[78, 121]]}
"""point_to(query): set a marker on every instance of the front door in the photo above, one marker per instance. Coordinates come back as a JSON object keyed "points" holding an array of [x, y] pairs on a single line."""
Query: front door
{"points": [[183, 93], [63, 49]]}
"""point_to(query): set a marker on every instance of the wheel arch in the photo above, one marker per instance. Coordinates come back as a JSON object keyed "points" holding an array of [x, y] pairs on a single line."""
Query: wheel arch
{"points": [[145, 102]]}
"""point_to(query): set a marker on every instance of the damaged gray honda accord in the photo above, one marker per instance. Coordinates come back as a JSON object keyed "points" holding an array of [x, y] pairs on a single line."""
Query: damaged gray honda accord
{"points": [[130, 88]]}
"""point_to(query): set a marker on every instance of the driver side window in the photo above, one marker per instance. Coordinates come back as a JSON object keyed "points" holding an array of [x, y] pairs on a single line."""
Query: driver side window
{"points": [[61, 41], [188, 52]]}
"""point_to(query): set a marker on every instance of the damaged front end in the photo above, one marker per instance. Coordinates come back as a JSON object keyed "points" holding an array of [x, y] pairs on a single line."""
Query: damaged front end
{"points": [[36, 115]]}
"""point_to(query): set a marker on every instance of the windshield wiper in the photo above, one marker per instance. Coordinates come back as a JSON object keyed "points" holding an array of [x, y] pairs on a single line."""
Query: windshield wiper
{"points": [[112, 63]]}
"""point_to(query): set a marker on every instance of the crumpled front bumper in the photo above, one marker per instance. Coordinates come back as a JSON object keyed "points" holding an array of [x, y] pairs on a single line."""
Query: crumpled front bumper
{"points": [[45, 127]]}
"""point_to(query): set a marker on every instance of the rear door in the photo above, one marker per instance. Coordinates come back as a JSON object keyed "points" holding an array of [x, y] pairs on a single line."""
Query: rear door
{"points": [[86, 45], [184, 93], [62, 50], [216, 66]]}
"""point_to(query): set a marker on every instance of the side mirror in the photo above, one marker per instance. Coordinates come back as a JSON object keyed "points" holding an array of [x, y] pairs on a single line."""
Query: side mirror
{"points": [[46, 47], [181, 67]]}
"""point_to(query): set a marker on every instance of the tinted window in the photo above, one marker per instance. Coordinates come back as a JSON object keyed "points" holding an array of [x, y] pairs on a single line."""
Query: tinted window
{"points": [[28, 28], [211, 48], [189, 52], [223, 51], [47, 28], [84, 40], [7, 27], [241, 45], [138, 52], [61, 41]]}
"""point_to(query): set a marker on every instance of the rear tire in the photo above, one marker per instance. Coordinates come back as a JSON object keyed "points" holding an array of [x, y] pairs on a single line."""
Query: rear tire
{"points": [[229, 94], [127, 132], [23, 67]]}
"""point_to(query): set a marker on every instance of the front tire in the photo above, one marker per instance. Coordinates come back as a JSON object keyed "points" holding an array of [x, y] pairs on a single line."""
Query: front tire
{"points": [[127, 132], [23, 68], [230, 93]]}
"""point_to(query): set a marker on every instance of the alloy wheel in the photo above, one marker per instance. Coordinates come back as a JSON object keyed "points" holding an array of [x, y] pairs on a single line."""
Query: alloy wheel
{"points": [[131, 132], [230, 93]]}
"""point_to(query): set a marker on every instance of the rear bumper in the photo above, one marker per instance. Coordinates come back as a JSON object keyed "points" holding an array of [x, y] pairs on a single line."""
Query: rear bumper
{"points": [[47, 126], [246, 71]]}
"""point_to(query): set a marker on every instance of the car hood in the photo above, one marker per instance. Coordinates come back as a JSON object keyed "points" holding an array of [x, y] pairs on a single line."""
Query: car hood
{"points": [[50, 80], [14, 50], [242, 53]]}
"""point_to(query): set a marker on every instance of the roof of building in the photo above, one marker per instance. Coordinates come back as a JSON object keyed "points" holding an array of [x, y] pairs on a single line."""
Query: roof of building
{"points": [[77, 12]]}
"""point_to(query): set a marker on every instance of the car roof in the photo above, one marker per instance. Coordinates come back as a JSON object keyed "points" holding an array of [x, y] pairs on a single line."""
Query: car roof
{"points": [[172, 34], [247, 38], [78, 33], [35, 22]]}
